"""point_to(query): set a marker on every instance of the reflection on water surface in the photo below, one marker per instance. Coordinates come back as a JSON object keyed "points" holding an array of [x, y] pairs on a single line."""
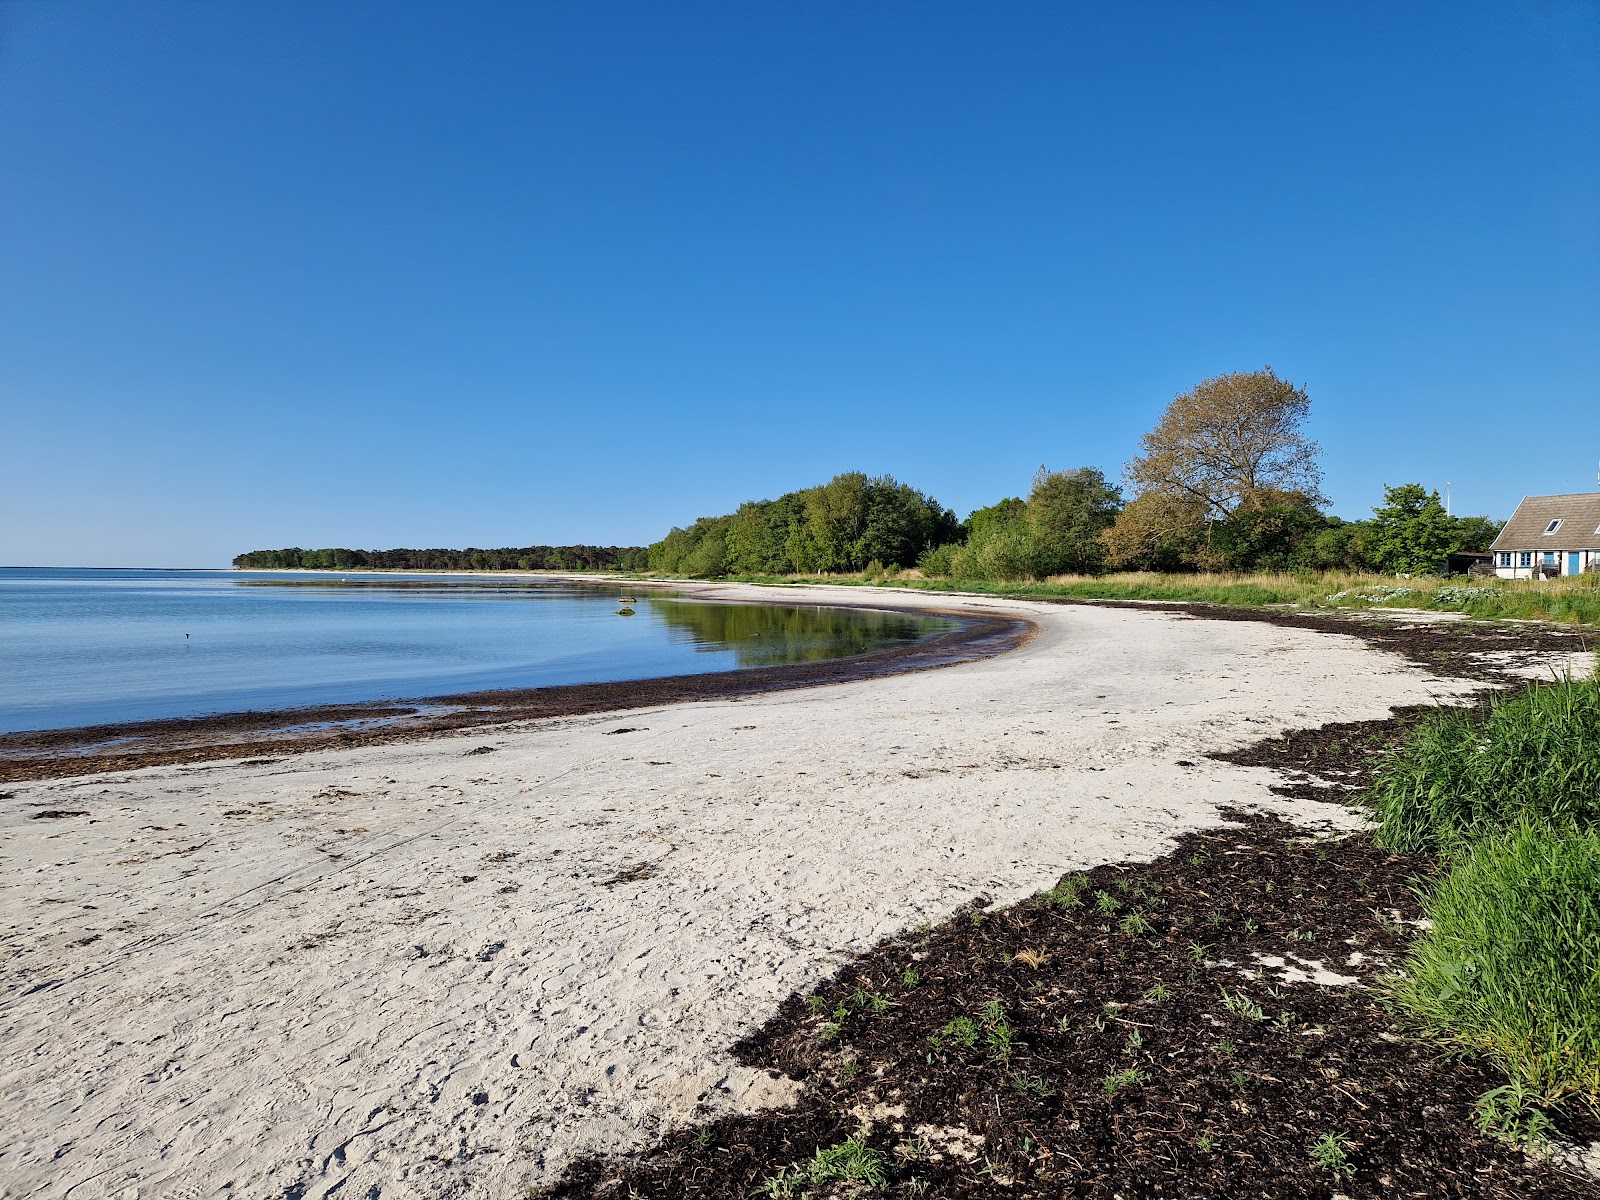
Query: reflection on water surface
{"points": [[90, 647]]}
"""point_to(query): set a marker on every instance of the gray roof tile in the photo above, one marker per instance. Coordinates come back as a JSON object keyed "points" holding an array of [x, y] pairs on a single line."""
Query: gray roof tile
{"points": [[1580, 523]]}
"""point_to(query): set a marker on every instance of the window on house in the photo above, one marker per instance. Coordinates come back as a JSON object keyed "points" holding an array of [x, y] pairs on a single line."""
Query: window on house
{"points": [[1505, 558], [1527, 558], [1553, 526]]}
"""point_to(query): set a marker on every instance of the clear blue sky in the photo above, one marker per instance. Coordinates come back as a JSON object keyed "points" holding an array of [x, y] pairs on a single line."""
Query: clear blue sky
{"points": [[387, 273]]}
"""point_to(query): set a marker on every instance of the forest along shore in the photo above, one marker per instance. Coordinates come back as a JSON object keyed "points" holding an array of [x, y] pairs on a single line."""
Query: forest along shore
{"points": [[448, 966]]}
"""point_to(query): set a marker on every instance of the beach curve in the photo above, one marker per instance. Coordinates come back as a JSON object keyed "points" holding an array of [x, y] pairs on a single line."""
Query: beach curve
{"points": [[445, 966]]}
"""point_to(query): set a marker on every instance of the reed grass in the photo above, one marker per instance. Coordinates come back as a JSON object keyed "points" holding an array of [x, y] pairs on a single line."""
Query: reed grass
{"points": [[1532, 757], [1511, 965]]}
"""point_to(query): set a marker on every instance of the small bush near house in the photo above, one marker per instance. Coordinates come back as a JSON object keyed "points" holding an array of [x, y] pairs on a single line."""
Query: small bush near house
{"points": [[1534, 757], [1511, 965]]}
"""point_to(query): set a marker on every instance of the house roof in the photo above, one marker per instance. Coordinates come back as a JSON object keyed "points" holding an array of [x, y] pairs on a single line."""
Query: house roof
{"points": [[1579, 514]]}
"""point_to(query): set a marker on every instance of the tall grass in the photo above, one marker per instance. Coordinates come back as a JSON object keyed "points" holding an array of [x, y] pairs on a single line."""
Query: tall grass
{"points": [[1532, 757], [1569, 599], [1511, 966]]}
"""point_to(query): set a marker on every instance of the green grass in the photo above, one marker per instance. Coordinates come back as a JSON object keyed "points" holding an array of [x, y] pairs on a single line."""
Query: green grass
{"points": [[1330, 1152], [851, 1161], [1569, 599], [1123, 1080], [1511, 965], [1068, 893], [961, 1032], [1535, 756]]}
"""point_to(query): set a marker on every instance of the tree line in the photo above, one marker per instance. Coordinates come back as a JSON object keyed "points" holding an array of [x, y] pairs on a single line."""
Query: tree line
{"points": [[1226, 480], [525, 558], [851, 523]]}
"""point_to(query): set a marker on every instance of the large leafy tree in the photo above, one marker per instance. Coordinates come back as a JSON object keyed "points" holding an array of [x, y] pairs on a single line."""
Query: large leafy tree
{"points": [[1232, 441], [1410, 531], [1232, 444]]}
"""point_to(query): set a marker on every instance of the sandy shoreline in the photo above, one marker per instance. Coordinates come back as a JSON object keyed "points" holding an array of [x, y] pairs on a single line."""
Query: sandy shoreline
{"points": [[57, 753], [442, 967]]}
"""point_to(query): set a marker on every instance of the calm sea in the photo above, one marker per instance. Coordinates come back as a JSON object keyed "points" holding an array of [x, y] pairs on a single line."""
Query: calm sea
{"points": [[86, 647]]}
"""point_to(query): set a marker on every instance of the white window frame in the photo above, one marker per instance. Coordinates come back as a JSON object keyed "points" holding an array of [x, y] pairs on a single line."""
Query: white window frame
{"points": [[1553, 526]]}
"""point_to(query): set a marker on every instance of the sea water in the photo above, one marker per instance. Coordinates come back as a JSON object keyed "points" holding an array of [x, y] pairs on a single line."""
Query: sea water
{"points": [[87, 647]]}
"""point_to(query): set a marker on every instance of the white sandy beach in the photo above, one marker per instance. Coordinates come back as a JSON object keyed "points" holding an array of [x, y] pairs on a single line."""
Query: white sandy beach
{"points": [[423, 970]]}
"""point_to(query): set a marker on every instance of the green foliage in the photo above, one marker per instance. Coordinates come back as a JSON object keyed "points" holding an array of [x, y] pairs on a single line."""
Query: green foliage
{"points": [[1240, 1005], [851, 1161], [1068, 891], [527, 558], [1012, 509], [1128, 1077], [1341, 546], [1066, 513], [1133, 925], [1513, 1114], [1410, 531], [1331, 1153], [1279, 534], [842, 525], [1476, 533], [962, 1032], [1001, 549], [1057, 529], [939, 563], [1535, 756], [1511, 964]]}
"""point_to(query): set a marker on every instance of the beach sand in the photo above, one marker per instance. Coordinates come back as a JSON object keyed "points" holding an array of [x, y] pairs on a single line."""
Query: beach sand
{"points": [[443, 967]]}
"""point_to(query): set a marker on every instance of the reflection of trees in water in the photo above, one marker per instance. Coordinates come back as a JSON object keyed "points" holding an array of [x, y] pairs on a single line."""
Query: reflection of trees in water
{"points": [[767, 635]]}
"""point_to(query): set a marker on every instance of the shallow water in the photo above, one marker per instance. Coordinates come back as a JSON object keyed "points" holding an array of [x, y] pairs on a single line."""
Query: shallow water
{"points": [[83, 647]]}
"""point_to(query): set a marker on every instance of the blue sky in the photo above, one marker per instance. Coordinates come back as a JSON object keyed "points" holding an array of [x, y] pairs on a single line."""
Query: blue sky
{"points": [[381, 274]]}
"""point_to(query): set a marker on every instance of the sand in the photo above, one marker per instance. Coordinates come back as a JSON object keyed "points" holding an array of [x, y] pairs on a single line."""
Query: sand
{"points": [[442, 968]]}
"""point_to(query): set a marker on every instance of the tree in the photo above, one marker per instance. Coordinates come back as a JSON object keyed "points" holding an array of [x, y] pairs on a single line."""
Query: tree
{"points": [[842, 525], [1276, 534], [1157, 531], [1008, 509], [1342, 546], [1476, 533], [1067, 512], [1231, 441], [1234, 443], [1410, 532]]}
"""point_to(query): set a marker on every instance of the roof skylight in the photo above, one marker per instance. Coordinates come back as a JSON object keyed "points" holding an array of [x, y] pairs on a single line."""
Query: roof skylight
{"points": [[1554, 525]]}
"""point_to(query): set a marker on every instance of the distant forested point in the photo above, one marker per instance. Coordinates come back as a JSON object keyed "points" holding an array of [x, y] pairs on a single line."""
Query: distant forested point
{"points": [[525, 558]]}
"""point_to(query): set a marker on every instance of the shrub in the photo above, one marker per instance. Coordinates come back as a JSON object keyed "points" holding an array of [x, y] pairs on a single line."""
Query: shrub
{"points": [[1511, 965], [936, 563], [1533, 757]]}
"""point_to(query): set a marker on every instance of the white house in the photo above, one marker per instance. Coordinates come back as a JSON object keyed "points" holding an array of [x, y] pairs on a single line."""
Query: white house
{"points": [[1550, 535]]}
